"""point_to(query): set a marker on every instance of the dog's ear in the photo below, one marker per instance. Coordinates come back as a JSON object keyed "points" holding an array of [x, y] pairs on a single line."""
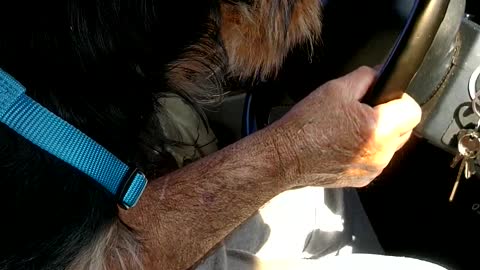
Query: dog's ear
{"points": [[258, 34]]}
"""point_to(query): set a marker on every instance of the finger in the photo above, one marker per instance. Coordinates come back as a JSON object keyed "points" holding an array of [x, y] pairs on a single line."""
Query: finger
{"points": [[358, 82], [397, 117]]}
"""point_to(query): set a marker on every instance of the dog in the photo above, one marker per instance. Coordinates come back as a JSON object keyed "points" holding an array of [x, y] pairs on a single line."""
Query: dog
{"points": [[101, 65]]}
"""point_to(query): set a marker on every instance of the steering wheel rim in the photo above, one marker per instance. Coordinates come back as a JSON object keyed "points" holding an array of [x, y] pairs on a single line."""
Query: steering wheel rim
{"points": [[409, 51], [404, 60]]}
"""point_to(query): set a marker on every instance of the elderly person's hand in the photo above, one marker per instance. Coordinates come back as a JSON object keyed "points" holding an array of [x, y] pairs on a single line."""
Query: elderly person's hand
{"points": [[328, 139], [331, 139]]}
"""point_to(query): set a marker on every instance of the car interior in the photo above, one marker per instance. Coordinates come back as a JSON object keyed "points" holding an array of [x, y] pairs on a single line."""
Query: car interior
{"points": [[408, 204]]}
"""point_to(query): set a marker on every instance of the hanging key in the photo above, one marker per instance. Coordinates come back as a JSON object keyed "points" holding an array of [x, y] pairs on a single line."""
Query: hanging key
{"points": [[458, 158], [469, 147], [468, 151]]}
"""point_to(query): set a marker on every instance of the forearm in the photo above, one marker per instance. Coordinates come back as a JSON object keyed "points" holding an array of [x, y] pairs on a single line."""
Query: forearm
{"points": [[185, 214], [328, 139]]}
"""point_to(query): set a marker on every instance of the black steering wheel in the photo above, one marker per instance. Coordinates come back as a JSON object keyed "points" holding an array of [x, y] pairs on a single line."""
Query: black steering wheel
{"points": [[399, 69]]}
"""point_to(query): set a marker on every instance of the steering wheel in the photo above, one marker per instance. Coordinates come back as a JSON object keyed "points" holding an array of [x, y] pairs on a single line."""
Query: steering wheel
{"points": [[403, 62], [409, 51]]}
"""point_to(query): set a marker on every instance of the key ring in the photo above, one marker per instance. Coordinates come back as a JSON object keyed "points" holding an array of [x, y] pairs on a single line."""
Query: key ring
{"points": [[474, 95], [472, 84], [475, 108]]}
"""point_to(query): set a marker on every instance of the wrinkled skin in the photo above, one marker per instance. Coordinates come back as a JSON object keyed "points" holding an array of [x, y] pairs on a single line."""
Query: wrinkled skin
{"points": [[331, 139]]}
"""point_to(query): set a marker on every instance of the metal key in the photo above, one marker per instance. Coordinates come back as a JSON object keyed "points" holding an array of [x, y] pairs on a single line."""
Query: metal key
{"points": [[469, 147], [468, 151], [457, 181]]}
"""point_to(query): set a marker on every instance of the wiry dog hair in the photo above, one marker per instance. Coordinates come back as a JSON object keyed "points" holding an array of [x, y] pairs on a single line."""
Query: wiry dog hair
{"points": [[101, 65], [258, 35]]}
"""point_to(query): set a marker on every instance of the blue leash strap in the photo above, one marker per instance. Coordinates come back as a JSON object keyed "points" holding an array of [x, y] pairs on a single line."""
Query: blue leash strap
{"points": [[54, 135]]}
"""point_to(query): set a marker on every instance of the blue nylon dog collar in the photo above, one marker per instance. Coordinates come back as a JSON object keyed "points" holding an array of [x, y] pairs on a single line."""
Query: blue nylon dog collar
{"points": [[54, 135]]}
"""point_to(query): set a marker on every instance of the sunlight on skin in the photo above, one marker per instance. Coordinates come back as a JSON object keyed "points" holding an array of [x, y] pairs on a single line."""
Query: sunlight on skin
{"points": [[395, 117]]}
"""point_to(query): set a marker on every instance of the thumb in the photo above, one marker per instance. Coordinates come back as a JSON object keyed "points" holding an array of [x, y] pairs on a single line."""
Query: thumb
{"points": [[397, 117]]}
